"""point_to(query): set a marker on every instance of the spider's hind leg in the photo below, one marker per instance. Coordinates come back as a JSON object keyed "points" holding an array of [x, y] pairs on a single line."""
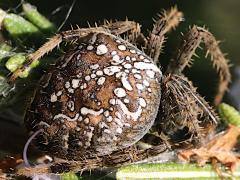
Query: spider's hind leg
{"points": [[191, 41], [184, 115]]}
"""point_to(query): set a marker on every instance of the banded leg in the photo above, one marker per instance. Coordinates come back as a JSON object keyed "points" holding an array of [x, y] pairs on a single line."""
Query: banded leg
{"points": [[167, 20], [191, 41], [71, 35], [184, 115]]}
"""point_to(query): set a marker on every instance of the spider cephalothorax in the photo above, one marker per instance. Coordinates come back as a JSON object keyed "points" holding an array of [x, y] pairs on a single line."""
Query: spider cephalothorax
{"points": [[104, 94]]}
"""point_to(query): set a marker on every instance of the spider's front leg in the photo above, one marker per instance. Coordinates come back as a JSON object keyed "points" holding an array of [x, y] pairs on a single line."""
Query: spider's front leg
{"points": [[116, 28], [167, 20], [191, 41]]}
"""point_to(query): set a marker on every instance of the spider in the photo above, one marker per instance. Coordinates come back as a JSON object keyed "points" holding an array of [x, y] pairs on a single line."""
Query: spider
{"points": [[106, 95]]}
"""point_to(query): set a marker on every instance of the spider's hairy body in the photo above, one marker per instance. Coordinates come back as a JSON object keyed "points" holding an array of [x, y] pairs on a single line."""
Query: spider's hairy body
{"points": [[104, 96]]}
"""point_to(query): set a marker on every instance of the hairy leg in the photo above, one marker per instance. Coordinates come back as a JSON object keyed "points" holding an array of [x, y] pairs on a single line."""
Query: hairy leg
{"points": [[191, 41], [167, 20], [184, 115], [116, 28]]}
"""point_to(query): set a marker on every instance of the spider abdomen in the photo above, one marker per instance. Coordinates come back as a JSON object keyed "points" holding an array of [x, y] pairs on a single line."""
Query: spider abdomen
{"points": [[103, 96]]}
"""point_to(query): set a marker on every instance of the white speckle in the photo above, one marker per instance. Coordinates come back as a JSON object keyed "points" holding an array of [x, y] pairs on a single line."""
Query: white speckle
{"points": [[70, 105], [118, 41], [142, 102], [78, 128], [79, 143], [70, 90], [87, 144], [83, 86], [146, 83], [116, 58], [67, 84], [119, 130], [146, 60], [63, 116], [126, 71], [137, 76], [80, 118], [133, 51], [127, 66], [111, 70], [134, 59], [135, 71], [149, 90], [150, 73], [126, 100], [98, 103], [107, 131], [102, 125], [134, 115], [90, 47], [119, 92], [87, 78], [78, 56], [113, 53], [101, 49], [122, 47], [118, 121], [94, 66], [85, 111], [109, 119], [112, 101], [139, 86], [126, 83], [99, 73], [59, 93], [75, 83], [143, 66], [106, 113], [101, 80], [86, 120], [119, 116], [93, 76], [119, 74], [128, 58], [53, 98], [141, 57]]}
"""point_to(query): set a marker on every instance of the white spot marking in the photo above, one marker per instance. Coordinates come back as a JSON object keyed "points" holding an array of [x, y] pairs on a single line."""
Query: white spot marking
{"points": [[111, 70], [150, 73], [70, 104], [134, 115], [137, 76], [53, 98], [119, 92], [90, 47], [126, 83], [133, 51], [67, 84], [75, 83], [101, 80], [119, 130], [128, 58], [85, 111], [142, 102], [113, 53], [87, 78], [112, 101], [63, 116], [127, 66], [141, 57], [59, 93], [139, 86], [143, 66], [146, 83], [99, 73], [126, 100], [122, 47], [101, 49], [94, 66]]}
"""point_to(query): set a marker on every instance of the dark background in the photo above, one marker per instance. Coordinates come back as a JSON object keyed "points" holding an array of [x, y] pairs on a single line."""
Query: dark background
{"points": [[220, 16]]}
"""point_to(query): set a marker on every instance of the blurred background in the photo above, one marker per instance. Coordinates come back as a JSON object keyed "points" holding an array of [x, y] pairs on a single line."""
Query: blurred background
{"points": [[221, 17]]}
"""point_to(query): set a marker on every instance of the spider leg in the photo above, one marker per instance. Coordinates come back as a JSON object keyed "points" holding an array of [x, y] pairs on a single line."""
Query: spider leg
{"points": [[71, 35], [116, 159], [185, 115], [167, 20], [192, 40]]}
